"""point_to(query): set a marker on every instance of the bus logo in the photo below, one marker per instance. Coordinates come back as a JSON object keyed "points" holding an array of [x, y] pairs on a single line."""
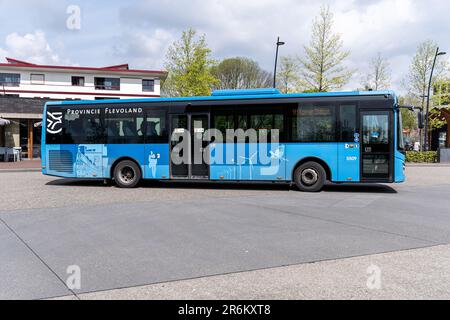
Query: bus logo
{"points": [[54, 122]]}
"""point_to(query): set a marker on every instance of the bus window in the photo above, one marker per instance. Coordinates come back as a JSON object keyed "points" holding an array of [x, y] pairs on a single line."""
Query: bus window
{"points": [[376, 129], [264, 123], [348, 122], [222, 122], [313, 123], [242, 122], [123, 128], [155, 127], [82, 126]]}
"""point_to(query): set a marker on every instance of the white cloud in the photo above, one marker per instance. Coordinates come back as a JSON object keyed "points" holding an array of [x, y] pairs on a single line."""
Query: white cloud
{"points": [[144, 50], [392, 27], [140, 31], [32, 47]]}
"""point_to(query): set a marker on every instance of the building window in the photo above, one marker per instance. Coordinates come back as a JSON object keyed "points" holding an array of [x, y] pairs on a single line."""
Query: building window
{"points": [[9, 79], [37, 78], [107, 83], [148, 85], [78, 81]]}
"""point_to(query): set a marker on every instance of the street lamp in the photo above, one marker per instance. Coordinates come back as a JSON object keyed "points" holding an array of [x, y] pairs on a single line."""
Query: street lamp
{"points": [[438, 53], [279, 43]]}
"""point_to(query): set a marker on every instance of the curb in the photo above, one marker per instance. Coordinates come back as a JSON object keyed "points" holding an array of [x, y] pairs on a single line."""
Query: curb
{"points": [[428, 165], [21, 170]]}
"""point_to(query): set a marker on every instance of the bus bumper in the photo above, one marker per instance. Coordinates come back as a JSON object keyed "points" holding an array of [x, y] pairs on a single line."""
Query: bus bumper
{"points": [[400, 168]]}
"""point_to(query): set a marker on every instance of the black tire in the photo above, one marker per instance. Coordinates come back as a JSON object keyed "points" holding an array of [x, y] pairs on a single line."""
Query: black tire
{"points": [[127, 174], [310, 177]]}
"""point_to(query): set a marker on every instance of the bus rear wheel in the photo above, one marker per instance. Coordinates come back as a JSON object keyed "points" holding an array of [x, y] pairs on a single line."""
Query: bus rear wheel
{"points": [[310, 177], [127, 174]]}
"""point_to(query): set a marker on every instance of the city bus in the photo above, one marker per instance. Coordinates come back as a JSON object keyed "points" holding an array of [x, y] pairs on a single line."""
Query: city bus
{"points": [[305, 139]]}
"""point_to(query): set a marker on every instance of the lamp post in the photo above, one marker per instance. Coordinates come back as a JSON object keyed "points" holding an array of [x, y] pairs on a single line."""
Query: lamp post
{"points": [[438, 53], [279, 43]]}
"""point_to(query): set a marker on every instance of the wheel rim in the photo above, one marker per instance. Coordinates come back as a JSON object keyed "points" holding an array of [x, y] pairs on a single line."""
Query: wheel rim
{"points": [[127, 175], [309, 176]]}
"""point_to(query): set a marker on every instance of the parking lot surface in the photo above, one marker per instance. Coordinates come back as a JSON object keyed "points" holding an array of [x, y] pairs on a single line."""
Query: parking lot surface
{"points": [[162, 233]]}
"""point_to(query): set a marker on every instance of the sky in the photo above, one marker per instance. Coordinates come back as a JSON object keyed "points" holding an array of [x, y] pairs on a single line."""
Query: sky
{"points": [[138, 32]]}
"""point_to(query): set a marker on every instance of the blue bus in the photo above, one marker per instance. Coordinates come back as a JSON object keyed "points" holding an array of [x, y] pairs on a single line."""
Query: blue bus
{"points": [[340, 137]]}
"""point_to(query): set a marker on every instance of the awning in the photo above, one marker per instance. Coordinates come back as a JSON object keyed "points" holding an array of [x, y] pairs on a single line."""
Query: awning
{"points": [[4, 122]]}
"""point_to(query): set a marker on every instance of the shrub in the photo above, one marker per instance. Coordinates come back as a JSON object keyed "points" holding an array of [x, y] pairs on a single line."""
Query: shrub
{"points": [[424, 156]]}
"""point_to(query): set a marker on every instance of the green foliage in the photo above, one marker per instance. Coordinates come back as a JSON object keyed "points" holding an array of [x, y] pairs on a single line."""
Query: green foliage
{"points": [[312, 91], [322, 68], [288, 80], [241, 73], [420, 69], [189, 65], [409, 119], [435, 119], [441, 92], [421, 157]]}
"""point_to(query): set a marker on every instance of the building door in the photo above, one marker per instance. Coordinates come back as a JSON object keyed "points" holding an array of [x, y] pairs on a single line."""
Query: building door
{"points": [[376, 145], [187, 158]]}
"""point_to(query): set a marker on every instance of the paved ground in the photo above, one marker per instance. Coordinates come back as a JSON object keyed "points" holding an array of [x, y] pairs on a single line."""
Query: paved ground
{"points": [[410, 274], [167, 232], [20, 165]]}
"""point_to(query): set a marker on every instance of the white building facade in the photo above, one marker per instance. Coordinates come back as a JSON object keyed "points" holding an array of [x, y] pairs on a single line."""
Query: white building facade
{"points": [[25, 87], [28, 80]]}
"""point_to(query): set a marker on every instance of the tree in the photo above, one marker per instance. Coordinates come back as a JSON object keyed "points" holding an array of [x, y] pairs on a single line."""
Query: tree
{"points": [[241, 73], [419, 74], [189, 66], [436, 119], [409, 117], [322, 65], [287, 76], [420, 68], [379, 74]]}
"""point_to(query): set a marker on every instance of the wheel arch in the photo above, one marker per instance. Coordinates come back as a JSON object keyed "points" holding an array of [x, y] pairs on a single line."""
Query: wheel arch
{"points": [[118, 160], [325, 166]]}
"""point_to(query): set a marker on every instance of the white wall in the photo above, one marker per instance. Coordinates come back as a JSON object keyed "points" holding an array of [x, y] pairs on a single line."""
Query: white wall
{"points": [[62, 82]]}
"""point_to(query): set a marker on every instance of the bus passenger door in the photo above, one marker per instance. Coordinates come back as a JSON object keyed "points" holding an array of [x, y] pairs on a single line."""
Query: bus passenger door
{"points": [[376, 145], [179, 145], [187, 146], [199, 124]]}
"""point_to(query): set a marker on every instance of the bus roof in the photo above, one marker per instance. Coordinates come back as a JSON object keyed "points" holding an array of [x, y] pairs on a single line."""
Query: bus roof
{"points": [[240, 94]]}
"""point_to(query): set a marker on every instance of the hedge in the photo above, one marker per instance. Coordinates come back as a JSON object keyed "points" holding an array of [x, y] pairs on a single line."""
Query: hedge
{"points": [[424, 156]]}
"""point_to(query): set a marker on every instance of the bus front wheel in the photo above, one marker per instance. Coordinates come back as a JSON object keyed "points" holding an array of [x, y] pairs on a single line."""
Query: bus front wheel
{"points": [[310, 177], [127, 174]]}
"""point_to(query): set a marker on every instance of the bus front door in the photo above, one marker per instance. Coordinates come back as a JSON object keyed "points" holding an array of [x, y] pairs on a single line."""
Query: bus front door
{"points": [[376, 145], [188, 159]]}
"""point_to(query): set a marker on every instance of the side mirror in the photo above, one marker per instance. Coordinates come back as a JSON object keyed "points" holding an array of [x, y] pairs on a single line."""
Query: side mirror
{"points": [[420, 120]]}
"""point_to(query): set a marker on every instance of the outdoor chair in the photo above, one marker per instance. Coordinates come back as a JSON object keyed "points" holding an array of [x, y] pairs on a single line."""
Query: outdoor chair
{"points": [[2, 154], [13, 154], [18, 153]]}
